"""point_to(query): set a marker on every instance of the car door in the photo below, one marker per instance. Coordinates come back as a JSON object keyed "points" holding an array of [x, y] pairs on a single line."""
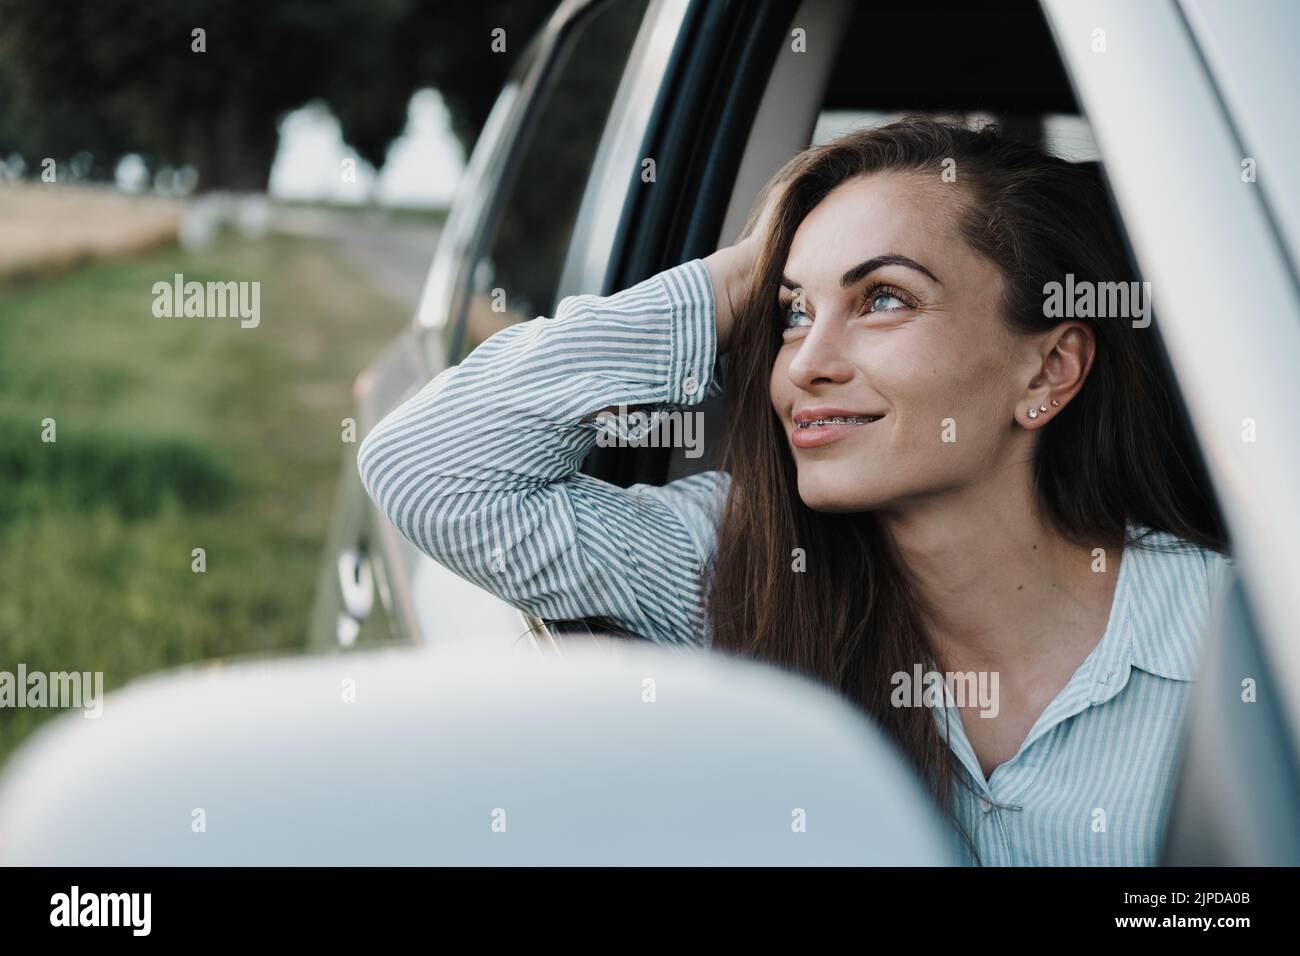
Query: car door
{"points": [[498, 261]]}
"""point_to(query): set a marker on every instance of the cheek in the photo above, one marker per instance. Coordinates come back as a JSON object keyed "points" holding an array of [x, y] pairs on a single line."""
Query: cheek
{"points": [[779, 386], [930, 379], [933, 379], [909, 370]]}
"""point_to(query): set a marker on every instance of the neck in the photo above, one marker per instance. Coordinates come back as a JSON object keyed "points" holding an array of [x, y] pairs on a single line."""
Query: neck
{"points": [[999, 585]]}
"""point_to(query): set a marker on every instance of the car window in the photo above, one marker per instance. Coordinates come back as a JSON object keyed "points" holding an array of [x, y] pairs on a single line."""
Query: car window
{"points": [[439, 304], [517, 271]]}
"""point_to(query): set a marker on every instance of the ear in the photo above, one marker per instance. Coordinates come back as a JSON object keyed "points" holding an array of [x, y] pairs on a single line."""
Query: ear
{"points": [[1064, 359]]}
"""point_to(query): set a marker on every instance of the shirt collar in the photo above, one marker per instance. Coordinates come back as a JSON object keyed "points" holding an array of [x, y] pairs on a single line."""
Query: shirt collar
{"points": [[1166, 602], [1157, 617]]}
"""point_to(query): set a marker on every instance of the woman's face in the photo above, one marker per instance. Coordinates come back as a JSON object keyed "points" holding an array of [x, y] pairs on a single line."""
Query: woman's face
{"points": [[899, 329]]}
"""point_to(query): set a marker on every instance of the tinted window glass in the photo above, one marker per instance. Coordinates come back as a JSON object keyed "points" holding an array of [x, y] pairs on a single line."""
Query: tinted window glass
{"points": [[517, 277]]}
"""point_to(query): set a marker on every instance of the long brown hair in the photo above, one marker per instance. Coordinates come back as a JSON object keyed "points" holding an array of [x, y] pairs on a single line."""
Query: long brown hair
{"points": [[853, 618]]}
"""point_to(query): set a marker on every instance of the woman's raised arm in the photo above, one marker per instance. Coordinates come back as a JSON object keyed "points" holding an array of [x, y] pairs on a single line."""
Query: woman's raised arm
{"points": [[480, 469]]}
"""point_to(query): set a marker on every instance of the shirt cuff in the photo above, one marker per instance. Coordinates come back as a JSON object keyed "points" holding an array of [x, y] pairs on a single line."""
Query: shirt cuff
{"points": [[689, 292]]}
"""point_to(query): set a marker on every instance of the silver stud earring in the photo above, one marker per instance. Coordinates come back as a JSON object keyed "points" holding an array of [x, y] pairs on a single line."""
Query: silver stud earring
{"points": [[1055, 403], [1042, 408], [1033, 413]]}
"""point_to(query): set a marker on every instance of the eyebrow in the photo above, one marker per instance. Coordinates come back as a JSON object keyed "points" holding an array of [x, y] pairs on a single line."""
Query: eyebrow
{"points": [[864, 269]]}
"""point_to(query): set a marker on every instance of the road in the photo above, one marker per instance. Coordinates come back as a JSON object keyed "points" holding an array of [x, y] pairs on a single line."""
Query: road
{"points": [[395, 251]]}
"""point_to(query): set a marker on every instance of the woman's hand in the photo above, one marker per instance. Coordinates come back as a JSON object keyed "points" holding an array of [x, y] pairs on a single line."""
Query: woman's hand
{"points": [[731, 268]]}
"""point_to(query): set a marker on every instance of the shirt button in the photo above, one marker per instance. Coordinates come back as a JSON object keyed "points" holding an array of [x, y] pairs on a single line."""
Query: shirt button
{"points": [[690, 385]]}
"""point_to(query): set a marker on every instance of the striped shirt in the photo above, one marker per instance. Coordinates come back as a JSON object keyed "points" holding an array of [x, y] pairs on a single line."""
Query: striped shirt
{"points": [[480, 470]]}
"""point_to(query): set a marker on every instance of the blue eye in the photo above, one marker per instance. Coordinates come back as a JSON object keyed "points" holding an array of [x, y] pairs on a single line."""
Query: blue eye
{"points": [[888, 297], [792, 317]]}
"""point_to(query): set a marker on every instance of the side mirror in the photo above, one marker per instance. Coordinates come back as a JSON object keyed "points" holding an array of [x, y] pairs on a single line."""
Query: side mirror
{"points": [[612, 754]]}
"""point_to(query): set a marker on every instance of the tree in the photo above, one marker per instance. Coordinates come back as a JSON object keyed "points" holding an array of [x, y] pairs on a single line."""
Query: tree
{"points": [[117, 77]]}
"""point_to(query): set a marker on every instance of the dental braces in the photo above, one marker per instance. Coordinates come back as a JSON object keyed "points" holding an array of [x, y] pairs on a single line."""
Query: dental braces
{"points": [[839, 420]]}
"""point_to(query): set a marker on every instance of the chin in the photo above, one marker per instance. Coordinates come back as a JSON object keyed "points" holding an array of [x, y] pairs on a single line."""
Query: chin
{"points": [[837, 496]]}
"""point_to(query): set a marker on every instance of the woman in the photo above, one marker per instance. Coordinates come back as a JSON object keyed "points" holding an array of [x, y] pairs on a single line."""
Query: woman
{"points": [[924, 474]]}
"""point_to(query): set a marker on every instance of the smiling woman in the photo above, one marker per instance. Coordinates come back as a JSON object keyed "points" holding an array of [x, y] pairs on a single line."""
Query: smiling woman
{"points": [[968, 526], [923, 472]]}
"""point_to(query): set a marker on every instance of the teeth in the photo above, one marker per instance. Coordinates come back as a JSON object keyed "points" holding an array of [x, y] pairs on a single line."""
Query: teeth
{"points": [[838, 420]]}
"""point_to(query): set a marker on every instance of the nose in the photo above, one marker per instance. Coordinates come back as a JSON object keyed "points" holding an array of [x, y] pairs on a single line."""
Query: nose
{"points": [[820, 358]]}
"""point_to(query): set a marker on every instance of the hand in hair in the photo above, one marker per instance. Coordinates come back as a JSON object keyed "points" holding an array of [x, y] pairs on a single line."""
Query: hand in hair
{"points": [[732, 267]]}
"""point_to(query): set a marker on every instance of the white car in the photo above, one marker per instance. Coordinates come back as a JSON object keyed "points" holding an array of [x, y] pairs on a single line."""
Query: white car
{"points": [[1192, 109]]}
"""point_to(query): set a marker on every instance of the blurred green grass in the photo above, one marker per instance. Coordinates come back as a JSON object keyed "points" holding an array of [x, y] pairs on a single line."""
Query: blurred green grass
{"points": [[172, 434]]}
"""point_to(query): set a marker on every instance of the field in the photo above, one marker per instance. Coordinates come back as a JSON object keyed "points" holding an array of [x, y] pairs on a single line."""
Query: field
{"points": [[50, 228], [171, 435]]}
